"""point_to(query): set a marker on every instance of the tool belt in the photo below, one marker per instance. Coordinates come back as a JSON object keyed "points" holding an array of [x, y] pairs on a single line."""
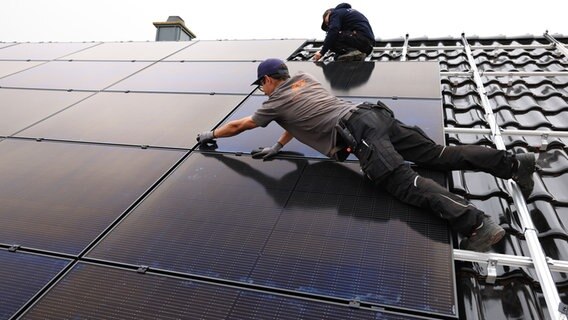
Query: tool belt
{"points": [[345, 142]]}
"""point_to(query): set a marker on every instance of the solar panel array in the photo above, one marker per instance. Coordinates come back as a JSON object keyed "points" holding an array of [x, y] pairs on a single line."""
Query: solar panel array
{"points": [[109, 210]]}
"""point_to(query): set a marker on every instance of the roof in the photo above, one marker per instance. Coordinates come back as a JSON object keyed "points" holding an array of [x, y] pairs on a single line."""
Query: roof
{"points": [[108, 203]]}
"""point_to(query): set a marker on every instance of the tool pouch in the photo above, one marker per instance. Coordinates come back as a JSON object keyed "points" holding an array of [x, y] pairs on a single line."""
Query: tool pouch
{"points": [[345, 141]]}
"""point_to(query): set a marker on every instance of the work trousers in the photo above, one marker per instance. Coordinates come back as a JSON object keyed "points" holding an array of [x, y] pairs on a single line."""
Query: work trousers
{"points": [[383, 145], [348, 40]]}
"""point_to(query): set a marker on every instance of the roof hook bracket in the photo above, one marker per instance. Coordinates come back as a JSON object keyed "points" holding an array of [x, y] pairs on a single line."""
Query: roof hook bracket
{"points": [[544, 142], [563, 308], [354, 304], [142, 269], [491, 271]]}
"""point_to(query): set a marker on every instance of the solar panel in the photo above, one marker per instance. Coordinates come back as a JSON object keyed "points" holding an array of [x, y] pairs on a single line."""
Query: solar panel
{"points": [[22, 108], [238, 50], [60, 196], [93, 291], [213, 219], [22, 276], [73, 75], [193, 77], [296, 227], [166, 120], [375, 79], [42, 51], [129, 51], [5, 45], [10, 67]]}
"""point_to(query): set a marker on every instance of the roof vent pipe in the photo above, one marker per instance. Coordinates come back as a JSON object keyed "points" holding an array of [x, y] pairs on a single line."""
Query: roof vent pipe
{"points": [[173, 30]]}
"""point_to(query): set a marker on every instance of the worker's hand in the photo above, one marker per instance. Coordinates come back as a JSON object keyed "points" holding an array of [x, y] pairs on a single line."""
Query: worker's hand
{"points": [[266, 152], [317, 56], [206, 139]]}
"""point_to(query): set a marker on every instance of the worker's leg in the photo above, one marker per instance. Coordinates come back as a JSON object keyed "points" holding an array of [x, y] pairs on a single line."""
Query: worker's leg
{"points": [[384, 165], [347, 42], [406, 185], [413, 144], [481, 231]]}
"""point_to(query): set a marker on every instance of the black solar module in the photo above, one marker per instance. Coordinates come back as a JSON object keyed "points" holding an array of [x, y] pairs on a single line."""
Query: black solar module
{"points": [[237, 50], [307, 227], [129, 51], [10, 67], [96, 292], [192, 77], [165, 120], [42, 51], [22, 108], [59, 196], [75, 75], [375, 79], [22, 275]]}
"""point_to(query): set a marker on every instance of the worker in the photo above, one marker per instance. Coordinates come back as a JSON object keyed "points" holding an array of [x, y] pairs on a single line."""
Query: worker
{"points": [[349, 34], [336, 128]]}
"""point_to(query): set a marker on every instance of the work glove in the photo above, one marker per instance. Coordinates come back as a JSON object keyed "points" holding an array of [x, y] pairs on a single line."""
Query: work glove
{"points": [[206, 139], [266, 152]]}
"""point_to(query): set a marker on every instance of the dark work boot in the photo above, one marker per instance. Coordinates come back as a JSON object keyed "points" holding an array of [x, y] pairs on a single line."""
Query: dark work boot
{"points": [[523, 176], [482, 238], [354, 55]]}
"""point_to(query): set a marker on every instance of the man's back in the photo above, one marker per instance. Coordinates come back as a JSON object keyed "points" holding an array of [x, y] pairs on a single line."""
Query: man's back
{"points": [[305, 109]]}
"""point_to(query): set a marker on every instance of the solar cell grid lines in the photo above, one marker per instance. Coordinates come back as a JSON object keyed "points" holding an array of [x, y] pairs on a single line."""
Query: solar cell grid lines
{"points": [[22, 276]]}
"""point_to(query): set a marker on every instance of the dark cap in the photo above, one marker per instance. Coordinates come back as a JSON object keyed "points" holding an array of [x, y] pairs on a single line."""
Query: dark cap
{"points": [[271, 67], [323, 24]]}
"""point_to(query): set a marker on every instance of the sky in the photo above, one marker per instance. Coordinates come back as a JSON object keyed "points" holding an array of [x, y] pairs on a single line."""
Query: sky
{"points": [[131, 20]]}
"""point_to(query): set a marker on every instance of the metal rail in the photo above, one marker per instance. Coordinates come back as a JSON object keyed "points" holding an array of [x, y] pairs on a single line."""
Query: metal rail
{"points": [[535, 249], [508, 132], [556, 44], [507, 260], [404, 49], [454, 48], [506, 74]]}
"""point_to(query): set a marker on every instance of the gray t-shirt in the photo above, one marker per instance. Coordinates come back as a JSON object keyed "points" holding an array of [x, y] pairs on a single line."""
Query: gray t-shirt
{"points": [[306, 110]]}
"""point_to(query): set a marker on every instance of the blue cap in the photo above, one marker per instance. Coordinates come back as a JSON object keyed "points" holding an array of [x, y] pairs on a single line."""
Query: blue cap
{"points": [[270, 67]]}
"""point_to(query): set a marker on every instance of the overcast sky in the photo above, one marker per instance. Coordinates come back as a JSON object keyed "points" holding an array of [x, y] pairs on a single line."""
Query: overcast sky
{"points": [[131, 20]]}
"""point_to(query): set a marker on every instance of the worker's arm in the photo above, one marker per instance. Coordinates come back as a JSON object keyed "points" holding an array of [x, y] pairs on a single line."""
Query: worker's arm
{"points": [[285, 138], [229, 129], [269, 152], [234, 127]]}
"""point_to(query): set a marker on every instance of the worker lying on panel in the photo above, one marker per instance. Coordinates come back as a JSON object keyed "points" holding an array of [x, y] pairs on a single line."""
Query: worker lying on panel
{"points": [[335, 127], [349, 34]]}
